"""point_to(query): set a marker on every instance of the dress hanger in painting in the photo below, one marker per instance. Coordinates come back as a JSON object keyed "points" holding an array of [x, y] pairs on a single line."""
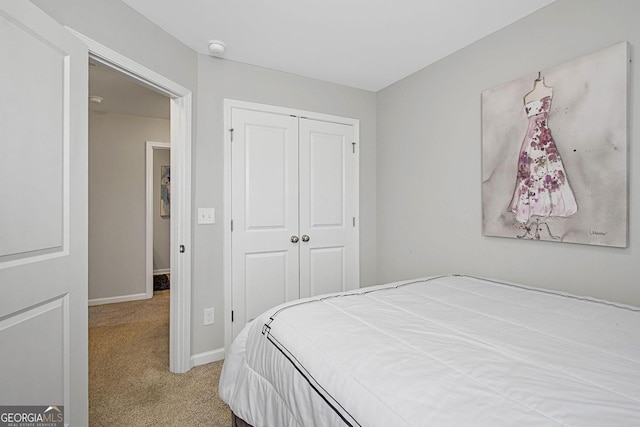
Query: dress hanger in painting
{"points": [[540, 90]]}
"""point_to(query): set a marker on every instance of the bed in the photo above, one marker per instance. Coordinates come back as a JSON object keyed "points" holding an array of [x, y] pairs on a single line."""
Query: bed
{"points": [[438, 351]]}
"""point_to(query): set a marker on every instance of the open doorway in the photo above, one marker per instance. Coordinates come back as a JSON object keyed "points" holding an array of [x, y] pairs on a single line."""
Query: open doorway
{"points": [[123, 117], [158, 224], [128, 318], [180, 254]]}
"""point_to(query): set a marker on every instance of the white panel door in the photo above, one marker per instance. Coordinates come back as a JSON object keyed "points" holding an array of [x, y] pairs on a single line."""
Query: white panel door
{"points": [[328, 208], [264, 151], [43, 213]]}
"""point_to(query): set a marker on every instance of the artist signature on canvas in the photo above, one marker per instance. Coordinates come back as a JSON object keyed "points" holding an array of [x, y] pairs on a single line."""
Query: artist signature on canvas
{"points": [[598, 233]]}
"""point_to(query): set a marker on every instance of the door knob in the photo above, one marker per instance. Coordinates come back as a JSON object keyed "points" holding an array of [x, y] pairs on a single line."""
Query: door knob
{"points": [[305, 238], [294, 239]]}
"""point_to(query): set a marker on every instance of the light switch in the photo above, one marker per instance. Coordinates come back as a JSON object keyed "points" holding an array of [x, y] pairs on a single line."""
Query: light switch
{"points": [[206, 216]]}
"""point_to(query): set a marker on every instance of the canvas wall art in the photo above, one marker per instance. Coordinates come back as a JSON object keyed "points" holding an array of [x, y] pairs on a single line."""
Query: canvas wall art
{"points": [[165, 191], [554, 153]]}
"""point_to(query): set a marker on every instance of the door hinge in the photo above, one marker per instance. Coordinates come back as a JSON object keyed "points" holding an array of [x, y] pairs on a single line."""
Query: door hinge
{"points": [[231, 225], [232, 315], [231, 133], [354, 147], [354, 221]]}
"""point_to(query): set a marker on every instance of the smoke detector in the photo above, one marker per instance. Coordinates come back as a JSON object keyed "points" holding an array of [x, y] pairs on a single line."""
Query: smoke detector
{"points": [[216, 47]]}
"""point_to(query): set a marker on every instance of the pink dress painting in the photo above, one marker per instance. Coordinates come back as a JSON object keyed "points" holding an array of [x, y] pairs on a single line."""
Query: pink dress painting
{"points": [[542, 189]]}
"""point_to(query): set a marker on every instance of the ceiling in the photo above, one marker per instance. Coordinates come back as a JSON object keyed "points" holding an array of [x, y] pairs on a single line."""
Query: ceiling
{"points": [[124, 96], [366, 44]]}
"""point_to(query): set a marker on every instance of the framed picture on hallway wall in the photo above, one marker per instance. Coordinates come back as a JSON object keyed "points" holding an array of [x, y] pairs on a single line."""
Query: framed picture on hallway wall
{"points": [[165, 191], [554, 153]]}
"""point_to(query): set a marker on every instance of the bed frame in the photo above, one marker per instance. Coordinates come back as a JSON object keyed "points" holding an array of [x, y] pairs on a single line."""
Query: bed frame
{"points": [[236, 421]]}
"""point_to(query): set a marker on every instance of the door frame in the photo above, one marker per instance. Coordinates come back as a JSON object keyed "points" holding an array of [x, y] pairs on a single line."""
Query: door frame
{"points": [[152, 147], [229, 105], [181, 119]]}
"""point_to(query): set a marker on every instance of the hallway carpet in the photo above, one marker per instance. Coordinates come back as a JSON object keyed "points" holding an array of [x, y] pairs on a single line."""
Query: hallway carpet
{"points": [[129, 379]]}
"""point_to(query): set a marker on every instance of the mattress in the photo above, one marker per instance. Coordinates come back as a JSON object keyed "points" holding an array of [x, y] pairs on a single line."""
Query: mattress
{"points": [[439, 351]]}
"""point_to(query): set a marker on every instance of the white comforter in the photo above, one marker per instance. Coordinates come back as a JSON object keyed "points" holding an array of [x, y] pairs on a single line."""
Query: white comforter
{"points": [[447, 351]]}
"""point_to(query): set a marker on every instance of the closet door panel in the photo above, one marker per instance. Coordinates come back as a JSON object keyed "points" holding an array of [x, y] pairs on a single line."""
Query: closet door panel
{"points": [[264, 195], [324, 170], [328, 194], [268, 155], [326, 270]]}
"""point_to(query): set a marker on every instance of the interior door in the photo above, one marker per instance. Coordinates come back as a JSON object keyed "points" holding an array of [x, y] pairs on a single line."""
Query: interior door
{"points": [[264, 152], [328, 208], [43, 213]]}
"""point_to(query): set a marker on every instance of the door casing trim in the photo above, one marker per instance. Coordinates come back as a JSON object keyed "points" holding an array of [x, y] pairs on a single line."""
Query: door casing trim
{"points": [[181, 142]]}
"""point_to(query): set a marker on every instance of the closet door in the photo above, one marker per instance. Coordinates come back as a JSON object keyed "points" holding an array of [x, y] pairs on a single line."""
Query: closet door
{"points": [[328, 208], [264, 211]]}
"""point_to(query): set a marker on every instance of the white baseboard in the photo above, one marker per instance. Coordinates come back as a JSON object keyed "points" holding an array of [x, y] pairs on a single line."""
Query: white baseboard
{"points": [[207, 357], [124, 298], [162, 271]]}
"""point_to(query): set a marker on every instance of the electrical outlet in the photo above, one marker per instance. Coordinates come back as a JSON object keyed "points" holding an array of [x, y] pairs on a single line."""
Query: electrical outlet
{"points": [[209, 316]]}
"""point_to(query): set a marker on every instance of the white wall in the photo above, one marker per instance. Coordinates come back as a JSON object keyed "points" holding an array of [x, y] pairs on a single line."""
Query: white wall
{"points": [[117, 201], [429, 159], [161, 225]]}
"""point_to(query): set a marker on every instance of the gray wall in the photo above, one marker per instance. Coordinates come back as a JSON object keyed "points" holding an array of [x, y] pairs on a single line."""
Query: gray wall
{"points": [[115, 25], [220, 79], [117, 201], [119, 27], [429, 159], [161, 226], [420, 194]]}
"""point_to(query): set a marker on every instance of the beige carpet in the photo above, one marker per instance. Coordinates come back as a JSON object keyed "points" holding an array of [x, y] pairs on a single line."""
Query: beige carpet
{"points": [[129, 379]]}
